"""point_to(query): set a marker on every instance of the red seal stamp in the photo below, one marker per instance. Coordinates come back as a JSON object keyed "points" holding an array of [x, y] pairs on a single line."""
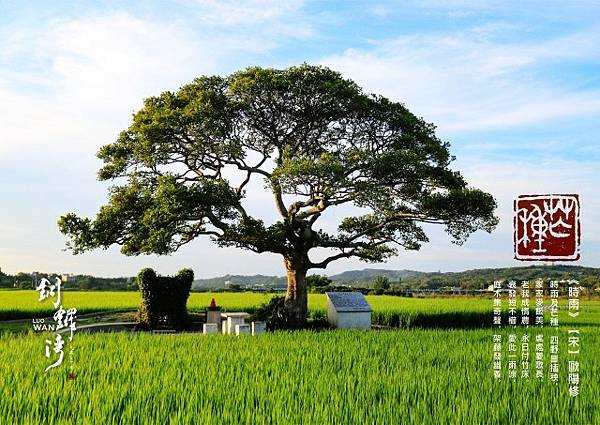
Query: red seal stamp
{"points": [[546, 227]]}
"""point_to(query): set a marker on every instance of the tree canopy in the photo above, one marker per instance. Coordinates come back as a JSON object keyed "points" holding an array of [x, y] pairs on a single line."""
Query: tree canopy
{"points": [[315, 139]]}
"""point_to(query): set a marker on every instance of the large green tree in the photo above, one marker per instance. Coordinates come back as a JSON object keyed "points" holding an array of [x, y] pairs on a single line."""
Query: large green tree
{"points": [[315, 139]]}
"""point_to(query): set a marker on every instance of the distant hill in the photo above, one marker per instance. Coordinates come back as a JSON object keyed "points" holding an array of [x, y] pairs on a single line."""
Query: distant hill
{"points": [[472, 279], [367, 275], [481, 278], [223, 282], [399, 279], [351, 277]]}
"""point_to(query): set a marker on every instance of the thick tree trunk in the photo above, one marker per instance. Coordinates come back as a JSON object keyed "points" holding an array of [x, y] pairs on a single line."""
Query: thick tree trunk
{"points": [[296, 299]]}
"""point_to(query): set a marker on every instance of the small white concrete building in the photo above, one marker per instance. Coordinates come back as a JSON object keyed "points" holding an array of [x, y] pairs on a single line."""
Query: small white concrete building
{"points": [[348, 310]]}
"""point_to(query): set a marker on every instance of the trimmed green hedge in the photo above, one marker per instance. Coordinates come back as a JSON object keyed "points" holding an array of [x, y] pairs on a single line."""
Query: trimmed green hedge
{"points": [[164, 297]]}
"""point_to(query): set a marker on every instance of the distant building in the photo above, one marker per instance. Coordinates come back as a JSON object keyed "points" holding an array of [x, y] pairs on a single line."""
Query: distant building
{"points": [[348, 310]]}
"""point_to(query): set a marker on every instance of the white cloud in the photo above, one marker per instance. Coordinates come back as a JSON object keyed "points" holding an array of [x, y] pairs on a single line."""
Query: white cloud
{"points": [[70, 86], [272, 18], [67, 88], [74, 84], [469, 81], [511, 178], [96, 72], [232, 12]]}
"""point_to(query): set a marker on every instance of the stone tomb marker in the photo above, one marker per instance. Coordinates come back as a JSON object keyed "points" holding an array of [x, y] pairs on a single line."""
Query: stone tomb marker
{"points": [[242, 329], [233, 319], [210, 328], [258, 328]]}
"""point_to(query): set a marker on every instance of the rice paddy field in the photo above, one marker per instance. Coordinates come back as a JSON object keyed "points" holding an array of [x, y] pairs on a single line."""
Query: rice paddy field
{"points": [[419, 373], [388, 310]]}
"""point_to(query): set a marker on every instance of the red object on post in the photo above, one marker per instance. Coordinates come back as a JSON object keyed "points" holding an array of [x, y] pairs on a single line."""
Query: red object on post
{"points": [[213, 305]]}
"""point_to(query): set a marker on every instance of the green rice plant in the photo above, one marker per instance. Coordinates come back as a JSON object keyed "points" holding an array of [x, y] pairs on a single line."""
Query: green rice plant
{"points": [[332, 377], [24, 304], [408, 376]]}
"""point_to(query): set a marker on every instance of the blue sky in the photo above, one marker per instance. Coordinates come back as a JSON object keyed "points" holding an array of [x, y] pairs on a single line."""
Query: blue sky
{"points": [[513, 86]]}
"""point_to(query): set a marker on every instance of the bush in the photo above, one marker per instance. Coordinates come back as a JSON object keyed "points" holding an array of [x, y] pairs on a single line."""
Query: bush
{"points": [[274, 313], [164, 297]]}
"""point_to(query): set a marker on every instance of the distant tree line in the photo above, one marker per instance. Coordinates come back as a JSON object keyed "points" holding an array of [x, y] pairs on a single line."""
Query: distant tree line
{"points": [[24, 280], [482, 278], [479, 279], [371, 281]]}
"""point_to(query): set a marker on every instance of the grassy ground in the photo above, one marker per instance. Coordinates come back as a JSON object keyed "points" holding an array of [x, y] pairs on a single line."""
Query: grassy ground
{"points": [[24, 304], [404, 376], [341, 377], [387, 310]]}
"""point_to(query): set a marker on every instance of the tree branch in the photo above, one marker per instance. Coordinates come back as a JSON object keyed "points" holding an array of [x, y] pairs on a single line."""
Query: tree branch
{"points": [[398, 217], [352, 253], [323, 264]]}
